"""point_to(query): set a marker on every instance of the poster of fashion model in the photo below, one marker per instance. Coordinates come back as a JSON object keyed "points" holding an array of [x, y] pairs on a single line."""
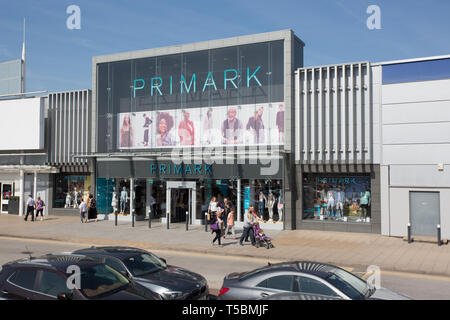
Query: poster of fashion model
{"points": [[276, 111], [211, 134], [126, 130], [188, 132], [231, 126], [165, 122], [257, 126]]}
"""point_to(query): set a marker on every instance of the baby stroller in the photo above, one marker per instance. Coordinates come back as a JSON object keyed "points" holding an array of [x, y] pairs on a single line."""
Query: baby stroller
{"points": [[261, 239]]}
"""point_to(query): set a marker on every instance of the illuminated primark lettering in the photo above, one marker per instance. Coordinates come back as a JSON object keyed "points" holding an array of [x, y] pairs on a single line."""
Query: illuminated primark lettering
{"points": [[231, 80]]}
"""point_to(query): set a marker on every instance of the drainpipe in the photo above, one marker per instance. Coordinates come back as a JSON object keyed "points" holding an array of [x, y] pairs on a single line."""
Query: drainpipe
{"points": [[22, 192]]}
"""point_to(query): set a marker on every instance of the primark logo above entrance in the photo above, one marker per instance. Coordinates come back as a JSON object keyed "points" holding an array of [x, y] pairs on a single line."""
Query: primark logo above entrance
{"points": [[181, 169]]}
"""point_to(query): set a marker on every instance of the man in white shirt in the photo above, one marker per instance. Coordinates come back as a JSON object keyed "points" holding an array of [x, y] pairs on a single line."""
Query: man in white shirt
{"points": [[83, 210], [30, 207]]}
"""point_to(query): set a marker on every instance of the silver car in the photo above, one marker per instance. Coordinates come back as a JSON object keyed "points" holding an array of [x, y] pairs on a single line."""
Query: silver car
{"points": [[310, 278]]}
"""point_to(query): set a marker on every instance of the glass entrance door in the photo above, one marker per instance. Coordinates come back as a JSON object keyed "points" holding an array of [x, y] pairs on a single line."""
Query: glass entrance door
{"points": [[181, 197], [7, 189]]}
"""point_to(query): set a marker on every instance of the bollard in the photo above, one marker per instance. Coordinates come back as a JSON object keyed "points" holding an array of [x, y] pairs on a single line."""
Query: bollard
{"points": [[206, 221], [167, 218], [150, 219], [187, 220], [439, 235], [409, 233], [132, 219], [115, 219]]}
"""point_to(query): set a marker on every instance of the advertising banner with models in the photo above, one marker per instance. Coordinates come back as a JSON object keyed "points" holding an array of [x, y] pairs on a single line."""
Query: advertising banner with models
{"points": [[249, 125]]}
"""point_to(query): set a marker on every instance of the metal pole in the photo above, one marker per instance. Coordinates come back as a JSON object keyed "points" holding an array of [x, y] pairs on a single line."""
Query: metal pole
{"points": [[167, 219], [439, 235], [206, 221], [132, 201], [150, 218], [115, 218], [409, 233], [187, 220]]}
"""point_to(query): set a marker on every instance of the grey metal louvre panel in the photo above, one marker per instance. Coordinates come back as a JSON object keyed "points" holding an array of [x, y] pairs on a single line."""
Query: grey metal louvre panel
{"points": [[334, 108], [69, 118]]}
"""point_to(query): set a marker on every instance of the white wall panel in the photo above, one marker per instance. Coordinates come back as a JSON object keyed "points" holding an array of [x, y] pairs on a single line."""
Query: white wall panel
{"points": [[420, 176], [22, 124], [436, 111], [416, 91], [416, 154], [417, 133]]}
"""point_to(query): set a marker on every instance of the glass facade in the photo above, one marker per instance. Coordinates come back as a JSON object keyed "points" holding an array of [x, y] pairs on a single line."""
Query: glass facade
{"points": [[70, 190], [142, 101], [339, 198]]}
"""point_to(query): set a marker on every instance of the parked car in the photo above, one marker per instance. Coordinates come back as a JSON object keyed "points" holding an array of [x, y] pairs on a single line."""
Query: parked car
{"points": [[303, 277], [46, 278], [151, 271]]}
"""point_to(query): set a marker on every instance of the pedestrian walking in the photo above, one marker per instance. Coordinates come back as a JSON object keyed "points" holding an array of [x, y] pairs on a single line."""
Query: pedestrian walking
{"points": [[212, 209], [216, 227], [256, 218], [83, 211], [227, 208], [92, 208], [249, 221], [230, 225], [40, 208], [30, 208]]}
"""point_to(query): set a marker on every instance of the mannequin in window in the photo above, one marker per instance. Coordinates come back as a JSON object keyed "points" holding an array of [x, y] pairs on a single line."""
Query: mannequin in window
{"points": [[76, 197], [364, 204], [68, 200], [270, 205], [330, 203], [340, 199], [123, 199], [261, 200], [114, 201], [280, 208]]}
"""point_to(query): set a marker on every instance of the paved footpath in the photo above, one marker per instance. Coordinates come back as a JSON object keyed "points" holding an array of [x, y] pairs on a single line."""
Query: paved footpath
{"points": [[344, 249]]}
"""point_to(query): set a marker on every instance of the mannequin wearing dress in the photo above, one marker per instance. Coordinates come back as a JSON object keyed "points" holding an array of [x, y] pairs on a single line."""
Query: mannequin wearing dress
{"points": [[114, 201], [269, 205]]}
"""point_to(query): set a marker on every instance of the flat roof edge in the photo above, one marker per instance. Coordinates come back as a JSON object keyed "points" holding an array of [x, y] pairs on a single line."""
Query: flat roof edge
{"points": [[411, 60], [197, 46]]}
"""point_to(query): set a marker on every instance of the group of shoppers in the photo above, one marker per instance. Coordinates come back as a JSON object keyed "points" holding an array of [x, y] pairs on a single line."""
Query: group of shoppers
{"points": [[222, 221], [88, 210], [221, 216], [37, 205]]}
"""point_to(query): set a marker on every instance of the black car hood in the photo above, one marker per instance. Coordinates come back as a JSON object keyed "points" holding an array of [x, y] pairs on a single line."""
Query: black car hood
{"points": [[174, 278]]}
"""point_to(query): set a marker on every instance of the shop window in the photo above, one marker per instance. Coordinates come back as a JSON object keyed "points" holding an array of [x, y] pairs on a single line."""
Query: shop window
{"points": [[70, 190], [265, 196], [337, 198]]}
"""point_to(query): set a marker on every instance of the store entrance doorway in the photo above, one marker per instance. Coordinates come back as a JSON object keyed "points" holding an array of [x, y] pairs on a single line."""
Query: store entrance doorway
{"points": [[181, 198], [7, 192]]}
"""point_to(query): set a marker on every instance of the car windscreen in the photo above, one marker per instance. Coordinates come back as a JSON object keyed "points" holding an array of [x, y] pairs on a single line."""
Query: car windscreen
{"points": [[349, 284], [100, 279], [143, 263]]}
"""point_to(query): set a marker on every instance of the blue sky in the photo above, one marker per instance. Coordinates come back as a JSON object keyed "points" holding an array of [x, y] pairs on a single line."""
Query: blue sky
{"points": [[334, 31]]}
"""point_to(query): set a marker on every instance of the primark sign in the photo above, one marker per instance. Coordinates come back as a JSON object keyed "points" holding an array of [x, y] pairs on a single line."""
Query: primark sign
{"points": [[232, 79]]}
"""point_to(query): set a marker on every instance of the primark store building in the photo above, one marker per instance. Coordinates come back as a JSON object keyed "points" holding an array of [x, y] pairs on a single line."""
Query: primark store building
{"points": [[345, 147]]}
